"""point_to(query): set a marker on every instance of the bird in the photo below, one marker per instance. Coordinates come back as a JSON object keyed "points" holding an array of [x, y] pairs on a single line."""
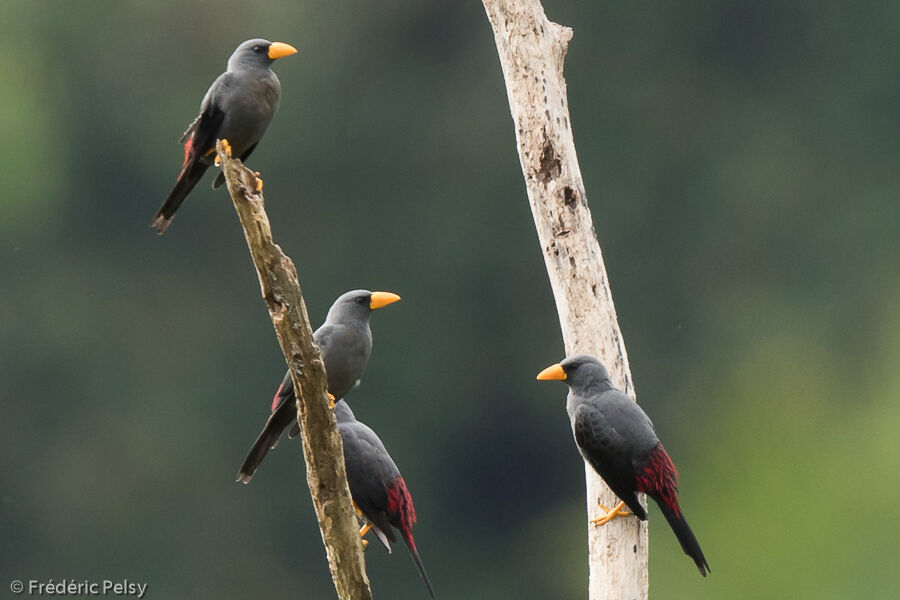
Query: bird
{"points": [[237, 108], [376, 486], [345, 342], [616, 437]]}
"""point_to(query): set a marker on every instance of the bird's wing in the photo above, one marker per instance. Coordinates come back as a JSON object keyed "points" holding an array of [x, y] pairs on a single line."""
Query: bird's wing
{"points": [[369, 469], [380, 467], [189, 132], [594, 436], [613, 423], [629, 421], [285, 392], [200, 137], [324, 336]]}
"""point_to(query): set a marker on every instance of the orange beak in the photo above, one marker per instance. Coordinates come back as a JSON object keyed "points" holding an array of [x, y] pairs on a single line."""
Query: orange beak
{"points": [[380, 299], [553, 372], [280, 49]]}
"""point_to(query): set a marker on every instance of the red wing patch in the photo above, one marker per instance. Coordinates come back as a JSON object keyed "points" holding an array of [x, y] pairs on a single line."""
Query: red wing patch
{"points": [[400, 509], [275, 399], [659, 478], [188, 147]]}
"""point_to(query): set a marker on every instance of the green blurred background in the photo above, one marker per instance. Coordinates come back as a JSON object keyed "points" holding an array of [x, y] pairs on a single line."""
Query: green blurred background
{"points": [[741, 161]]}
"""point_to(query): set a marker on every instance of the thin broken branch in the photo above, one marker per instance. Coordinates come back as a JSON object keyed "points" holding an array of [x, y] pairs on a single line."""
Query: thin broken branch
{"points": [[322, 446]]}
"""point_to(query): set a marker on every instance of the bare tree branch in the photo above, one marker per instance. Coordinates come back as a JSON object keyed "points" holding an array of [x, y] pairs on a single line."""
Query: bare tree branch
{"points": [[322, 446], [532, 51]]}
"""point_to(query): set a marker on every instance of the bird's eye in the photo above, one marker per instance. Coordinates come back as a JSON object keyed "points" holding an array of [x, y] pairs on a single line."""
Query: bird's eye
{"points": [[361, 300], [257, 49]]}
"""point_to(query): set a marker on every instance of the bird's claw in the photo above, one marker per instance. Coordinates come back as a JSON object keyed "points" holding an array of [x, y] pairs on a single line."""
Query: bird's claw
{"points": [[331, 401], [259, 186], [610, 514], [620, 512], [227, 148]]}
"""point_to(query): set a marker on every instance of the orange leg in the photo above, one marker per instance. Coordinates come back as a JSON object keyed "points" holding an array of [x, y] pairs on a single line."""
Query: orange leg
{"points": [[363, 531]]}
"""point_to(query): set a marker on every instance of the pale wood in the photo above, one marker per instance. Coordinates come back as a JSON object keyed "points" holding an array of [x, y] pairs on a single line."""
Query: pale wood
{"points": [[532, 51], [322, 447]]}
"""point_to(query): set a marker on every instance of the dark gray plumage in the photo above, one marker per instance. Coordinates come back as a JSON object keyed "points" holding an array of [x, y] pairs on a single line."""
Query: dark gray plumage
{"points": [[345, 341], [616, 437], [376, 485], [238, 107]]}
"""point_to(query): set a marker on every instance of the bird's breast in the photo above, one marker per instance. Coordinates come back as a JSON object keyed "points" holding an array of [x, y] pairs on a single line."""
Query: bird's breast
{"points": [[251, 104]]}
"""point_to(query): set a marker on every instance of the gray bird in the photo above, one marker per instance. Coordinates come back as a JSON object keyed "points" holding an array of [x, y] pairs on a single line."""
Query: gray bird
{"points": [[378, 490], [615, 436], [345, 341], [237, 107]]}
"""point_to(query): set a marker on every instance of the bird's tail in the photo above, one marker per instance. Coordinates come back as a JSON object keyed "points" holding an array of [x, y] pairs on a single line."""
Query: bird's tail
{"points": [[183, 186], [411, 544], [684, 534], [268, 437]]}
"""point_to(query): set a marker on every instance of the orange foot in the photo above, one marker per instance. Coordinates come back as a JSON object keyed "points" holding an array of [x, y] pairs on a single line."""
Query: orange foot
{"points": [[227, 147], [610, 514]]}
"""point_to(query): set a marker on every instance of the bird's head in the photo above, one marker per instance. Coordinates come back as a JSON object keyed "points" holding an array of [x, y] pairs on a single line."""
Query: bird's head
{"points": [[258, 53], [579, 371], [359, 304]]}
